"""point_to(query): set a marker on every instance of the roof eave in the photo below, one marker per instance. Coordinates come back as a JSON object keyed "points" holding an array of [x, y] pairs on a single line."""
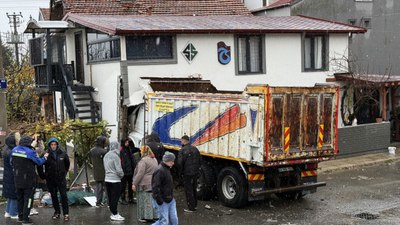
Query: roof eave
{"points": [[74, 19], [360, 29], [224, 31]]}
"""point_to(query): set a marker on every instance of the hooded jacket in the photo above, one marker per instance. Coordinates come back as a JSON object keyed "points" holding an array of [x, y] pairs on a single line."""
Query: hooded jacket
{"points": [[112, 164], [96, 155], [153, 141], [24, 160], [8, 176], [57, 164], [127, 161]]}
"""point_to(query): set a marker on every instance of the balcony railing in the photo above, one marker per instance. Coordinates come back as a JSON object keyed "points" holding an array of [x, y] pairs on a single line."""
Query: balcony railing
{"points": [[54, 79]]}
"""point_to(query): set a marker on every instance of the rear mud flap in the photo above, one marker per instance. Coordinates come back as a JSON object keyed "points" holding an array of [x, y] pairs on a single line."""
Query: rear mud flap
{"points": [[256, 186]]}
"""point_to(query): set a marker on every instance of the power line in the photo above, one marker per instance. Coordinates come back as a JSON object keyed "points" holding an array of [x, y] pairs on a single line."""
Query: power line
{"points": [[15, 38]]}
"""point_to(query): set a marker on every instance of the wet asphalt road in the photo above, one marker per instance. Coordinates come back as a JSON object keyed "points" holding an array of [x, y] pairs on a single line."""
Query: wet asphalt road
{"points": [[373, 191]]}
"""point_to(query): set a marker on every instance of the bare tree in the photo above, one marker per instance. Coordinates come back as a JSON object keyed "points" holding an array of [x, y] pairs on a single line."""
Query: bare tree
{"points": [[361, 90]]}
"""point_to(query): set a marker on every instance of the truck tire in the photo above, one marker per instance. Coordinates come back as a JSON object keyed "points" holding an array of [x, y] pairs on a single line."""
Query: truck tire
{"points": [[232, 188], [206, 184]]}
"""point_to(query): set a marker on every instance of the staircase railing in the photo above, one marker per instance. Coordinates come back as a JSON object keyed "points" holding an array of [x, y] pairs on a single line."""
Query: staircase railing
{"points": [[66, 82]]}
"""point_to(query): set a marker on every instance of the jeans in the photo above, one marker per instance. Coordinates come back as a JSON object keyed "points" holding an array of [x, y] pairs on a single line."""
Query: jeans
{"points": [[113, 194], [54, 188], [167, 213], [12, 207]]}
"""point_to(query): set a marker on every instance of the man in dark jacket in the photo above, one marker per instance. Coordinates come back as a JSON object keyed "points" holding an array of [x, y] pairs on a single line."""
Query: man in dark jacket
{"points": [[55, 171], [127, 163], [8, 180], [189, 162], [153, 141], [163, 192], [96, 155], [24, 160]]}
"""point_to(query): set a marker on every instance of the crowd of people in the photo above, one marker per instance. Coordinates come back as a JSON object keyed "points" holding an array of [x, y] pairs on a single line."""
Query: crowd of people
{"points": [[125, 173]]}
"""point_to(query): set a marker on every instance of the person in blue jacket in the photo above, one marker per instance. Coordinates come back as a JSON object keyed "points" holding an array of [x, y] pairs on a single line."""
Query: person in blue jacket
{"points": [[55, 172], [24, 161]]}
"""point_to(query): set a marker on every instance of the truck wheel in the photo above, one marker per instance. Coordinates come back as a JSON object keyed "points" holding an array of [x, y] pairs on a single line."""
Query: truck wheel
{"points": [[206, 184], [232, 188]]}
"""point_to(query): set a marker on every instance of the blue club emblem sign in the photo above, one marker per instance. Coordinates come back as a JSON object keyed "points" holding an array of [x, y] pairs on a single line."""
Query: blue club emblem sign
{"points": [[3, 83], [224, 53], [189, 52]]}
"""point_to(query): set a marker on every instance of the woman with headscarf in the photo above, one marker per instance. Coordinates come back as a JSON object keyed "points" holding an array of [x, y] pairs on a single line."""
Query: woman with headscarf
{"points": [[142, 185]]}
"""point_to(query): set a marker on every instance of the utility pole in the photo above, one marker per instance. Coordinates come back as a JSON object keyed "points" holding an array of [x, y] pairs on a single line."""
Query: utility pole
{"points": [[14, 38], [3, 110]]}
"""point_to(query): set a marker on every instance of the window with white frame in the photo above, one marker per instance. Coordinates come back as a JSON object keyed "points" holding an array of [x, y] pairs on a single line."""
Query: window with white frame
{"points": [[250, 56], [315, 52]]}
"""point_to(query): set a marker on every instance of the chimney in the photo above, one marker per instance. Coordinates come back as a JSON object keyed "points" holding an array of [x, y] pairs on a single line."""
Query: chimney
{"points": [[149, 11]]}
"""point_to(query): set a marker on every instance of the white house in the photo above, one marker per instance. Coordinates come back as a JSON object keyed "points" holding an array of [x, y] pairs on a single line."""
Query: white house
{"points": [[112, 53]]}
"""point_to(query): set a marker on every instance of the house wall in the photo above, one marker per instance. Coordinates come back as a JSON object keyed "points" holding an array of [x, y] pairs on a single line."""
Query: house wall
{"points": [[102, 76], [256, 4], [283, 55], [283, 11], [376, 51], [253, 4], [105, 77]]}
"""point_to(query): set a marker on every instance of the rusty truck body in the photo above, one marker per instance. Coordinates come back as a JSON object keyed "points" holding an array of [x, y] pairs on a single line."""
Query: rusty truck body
{"points": [[265, 140]]}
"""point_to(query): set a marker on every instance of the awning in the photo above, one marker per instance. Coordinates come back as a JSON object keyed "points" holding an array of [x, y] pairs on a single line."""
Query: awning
{"points": [[34, 26], [379, 79]]}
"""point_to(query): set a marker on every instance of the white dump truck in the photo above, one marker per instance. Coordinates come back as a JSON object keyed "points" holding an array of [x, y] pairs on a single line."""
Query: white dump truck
{"points": [[265, 140]]}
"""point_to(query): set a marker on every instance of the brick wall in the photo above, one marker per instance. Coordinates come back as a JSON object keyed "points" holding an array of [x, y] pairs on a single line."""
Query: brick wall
{"points": [[364, 137]]}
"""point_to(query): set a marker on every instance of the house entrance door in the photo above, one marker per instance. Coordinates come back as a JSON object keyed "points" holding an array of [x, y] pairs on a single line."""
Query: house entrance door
{"points": [[80, 77]]}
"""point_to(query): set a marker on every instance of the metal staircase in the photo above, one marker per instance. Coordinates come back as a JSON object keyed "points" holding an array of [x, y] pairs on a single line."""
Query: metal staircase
{"points": [[86, 108], [78, 98]]}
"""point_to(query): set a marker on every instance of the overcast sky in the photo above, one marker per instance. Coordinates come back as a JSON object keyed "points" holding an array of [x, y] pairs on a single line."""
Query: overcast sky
{"points": [[26, 7]]}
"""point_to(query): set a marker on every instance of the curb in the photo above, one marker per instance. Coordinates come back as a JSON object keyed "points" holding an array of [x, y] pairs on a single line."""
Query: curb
{"points": [[333, 168]]}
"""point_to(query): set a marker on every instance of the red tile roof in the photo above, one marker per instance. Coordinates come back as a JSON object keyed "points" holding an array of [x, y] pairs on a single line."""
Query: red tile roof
{"points": [[156, 7], [210, 24], [45, 13]]}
